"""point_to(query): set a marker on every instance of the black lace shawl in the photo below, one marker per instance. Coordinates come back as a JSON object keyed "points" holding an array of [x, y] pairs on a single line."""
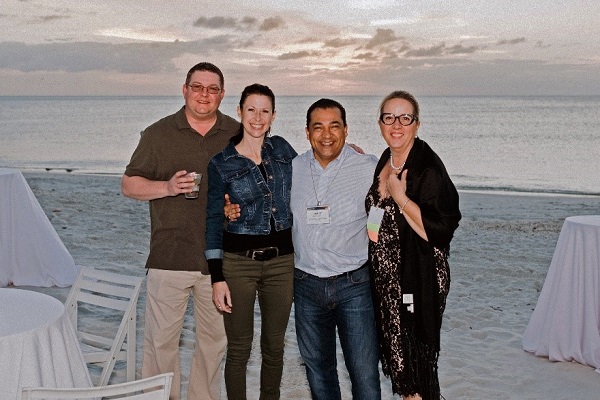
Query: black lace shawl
{"points": [[430, 187]]}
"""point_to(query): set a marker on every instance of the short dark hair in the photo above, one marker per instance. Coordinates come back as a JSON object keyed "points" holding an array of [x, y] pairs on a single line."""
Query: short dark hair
{"points": [[205, 66], [257, 88], [324, 104], [401, 94]]}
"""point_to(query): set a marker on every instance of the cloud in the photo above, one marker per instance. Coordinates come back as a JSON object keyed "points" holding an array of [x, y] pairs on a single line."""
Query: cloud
{"points": [[404, 48], [216, 22], [366, 57], [440, 50], [245, 44], [152, 35], [249, 21], [511, 41], [541, 44], [281, 51], [297, 55], [51, 18], [362, 74], [244, 23], [460, 49], [433, 51], [382, 36], [89, 56], [337, 42], [272, 23]]}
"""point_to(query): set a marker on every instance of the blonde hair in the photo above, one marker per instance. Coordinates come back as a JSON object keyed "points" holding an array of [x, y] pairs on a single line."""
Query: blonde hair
{"points": [[401, 94]]}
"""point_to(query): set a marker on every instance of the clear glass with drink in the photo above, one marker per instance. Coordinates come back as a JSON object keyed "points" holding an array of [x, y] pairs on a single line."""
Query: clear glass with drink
{"points": [[197, 177]]}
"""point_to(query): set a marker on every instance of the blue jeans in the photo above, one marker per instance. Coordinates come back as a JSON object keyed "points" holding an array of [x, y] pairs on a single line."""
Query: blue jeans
{"points": [[321, 305]]}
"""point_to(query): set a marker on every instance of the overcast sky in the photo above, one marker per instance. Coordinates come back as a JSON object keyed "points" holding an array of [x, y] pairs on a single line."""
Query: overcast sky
{"points": [[430, 47]]}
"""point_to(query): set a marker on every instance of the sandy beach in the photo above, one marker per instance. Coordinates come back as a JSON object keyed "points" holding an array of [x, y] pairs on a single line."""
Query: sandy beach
{"points": [[499, 260]]}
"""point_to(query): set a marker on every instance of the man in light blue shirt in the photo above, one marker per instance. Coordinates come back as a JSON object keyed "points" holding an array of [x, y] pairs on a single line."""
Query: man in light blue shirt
{"points": [[331, 278]]}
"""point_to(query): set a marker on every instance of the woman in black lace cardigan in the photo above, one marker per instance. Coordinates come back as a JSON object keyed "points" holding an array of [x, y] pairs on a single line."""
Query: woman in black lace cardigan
{"points": [[413, 213]]}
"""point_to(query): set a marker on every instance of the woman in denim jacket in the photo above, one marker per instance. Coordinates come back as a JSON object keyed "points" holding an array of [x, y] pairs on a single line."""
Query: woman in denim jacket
{"points": [[253, 253]]}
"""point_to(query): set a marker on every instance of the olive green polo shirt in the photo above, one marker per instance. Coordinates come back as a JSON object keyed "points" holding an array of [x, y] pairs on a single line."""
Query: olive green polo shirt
{"points": [[178, 224]]}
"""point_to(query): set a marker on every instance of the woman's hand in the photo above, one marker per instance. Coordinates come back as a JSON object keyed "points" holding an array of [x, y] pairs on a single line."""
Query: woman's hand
{"points": [[409, 209], [222, 296], [397, 187]]}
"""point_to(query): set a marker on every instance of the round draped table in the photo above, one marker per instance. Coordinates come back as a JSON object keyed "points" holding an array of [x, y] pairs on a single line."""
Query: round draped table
{"points": [[38, 345], [565, 325], [31, 252]]}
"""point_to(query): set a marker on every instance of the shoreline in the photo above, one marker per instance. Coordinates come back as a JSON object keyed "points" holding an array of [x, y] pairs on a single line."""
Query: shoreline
{"points": [[477, 190], [499, 259]]}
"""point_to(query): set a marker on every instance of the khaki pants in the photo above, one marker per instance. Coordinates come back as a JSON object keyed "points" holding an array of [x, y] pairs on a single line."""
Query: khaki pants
{"points": [[166, 302]]}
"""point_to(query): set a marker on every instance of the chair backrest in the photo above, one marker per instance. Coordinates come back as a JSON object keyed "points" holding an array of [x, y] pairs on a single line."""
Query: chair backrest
{"points": [[97, 302], [154, 388]]}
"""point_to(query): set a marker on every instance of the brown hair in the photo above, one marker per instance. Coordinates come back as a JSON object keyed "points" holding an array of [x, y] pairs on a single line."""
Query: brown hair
{"points": [[205, 66]]}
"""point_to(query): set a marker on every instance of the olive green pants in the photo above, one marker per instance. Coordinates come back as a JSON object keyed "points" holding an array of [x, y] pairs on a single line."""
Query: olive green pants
{"points": [[273, 281]]}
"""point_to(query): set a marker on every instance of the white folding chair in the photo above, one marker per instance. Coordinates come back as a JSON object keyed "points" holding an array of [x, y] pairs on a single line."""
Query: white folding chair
{"points": [[154, 388], [102, 342]]}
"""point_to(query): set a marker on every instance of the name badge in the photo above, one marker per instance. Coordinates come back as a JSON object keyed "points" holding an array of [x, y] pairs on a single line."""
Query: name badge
{"points": [[374, 223], [318, 215]]}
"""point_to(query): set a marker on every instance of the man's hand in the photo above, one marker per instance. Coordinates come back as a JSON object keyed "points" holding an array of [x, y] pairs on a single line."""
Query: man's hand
{"points": [[179, 183], [140, 188], [231, 211], [356, 148]]}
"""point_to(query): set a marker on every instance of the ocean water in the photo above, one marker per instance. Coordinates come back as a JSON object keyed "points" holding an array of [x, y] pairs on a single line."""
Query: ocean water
{"points": [[517, 144]]}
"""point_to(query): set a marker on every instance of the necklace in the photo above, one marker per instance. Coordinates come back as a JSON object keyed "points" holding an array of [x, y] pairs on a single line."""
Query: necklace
{"points": [[393, 166]]}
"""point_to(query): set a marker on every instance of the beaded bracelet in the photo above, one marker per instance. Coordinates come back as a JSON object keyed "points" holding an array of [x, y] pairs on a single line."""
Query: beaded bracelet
{"points": [[404, 205]]}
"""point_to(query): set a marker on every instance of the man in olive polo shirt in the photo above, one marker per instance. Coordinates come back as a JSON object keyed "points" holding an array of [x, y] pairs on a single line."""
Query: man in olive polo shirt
{"points": [[167, 151]]}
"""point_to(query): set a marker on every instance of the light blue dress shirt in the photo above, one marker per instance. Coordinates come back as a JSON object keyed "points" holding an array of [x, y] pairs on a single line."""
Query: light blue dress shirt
{"points": [[340, 246]]}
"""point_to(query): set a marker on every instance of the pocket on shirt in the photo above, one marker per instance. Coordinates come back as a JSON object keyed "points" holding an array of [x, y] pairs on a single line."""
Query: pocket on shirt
{"points": [[239, 185]]}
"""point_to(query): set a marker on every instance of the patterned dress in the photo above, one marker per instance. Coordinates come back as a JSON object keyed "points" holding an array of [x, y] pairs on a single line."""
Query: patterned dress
{"points": [[412, 366]]}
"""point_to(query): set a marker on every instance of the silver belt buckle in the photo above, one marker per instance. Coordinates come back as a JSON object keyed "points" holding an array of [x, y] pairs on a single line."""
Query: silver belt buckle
{"points": [[265, 254]]}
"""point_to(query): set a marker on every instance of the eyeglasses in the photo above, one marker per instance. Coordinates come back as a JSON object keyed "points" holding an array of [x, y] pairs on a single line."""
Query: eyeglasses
{"points": [[209, 89], [404, 119]]}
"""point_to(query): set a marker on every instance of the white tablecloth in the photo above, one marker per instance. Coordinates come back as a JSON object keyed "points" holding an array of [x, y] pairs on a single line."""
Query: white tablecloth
{"points": [[38, 345], [31, 252], [565, 325]]}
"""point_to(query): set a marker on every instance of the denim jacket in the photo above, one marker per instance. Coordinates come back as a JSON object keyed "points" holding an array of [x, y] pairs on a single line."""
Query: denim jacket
{"points": [[259, 200]]}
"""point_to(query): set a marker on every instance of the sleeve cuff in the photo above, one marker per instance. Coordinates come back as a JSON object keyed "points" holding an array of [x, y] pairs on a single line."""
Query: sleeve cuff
{"points": [[215, 266]]}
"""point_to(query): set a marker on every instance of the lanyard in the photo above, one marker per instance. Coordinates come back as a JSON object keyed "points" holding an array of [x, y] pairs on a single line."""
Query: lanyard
{"points": [[330, 183]]}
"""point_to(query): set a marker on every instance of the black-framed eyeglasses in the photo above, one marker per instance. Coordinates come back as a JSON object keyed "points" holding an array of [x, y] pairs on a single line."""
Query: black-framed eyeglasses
{"points": [[200, 89], [404, 119]]}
